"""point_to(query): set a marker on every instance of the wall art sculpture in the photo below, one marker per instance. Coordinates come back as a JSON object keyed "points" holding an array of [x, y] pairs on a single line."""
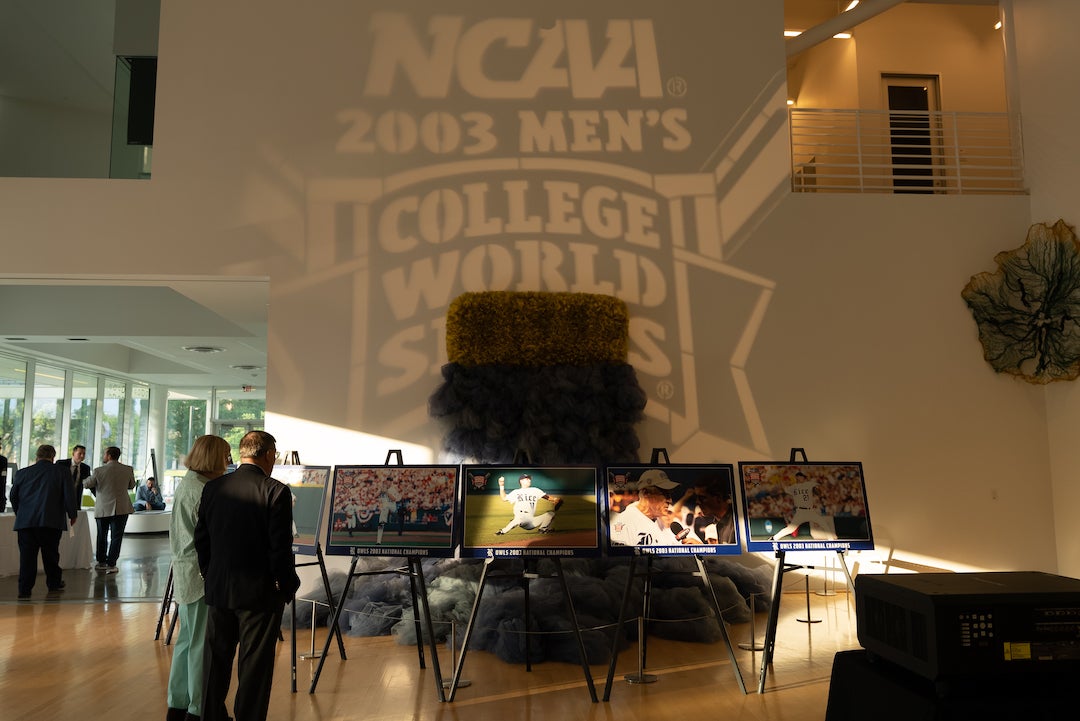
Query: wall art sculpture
{"points": [[545, 373], [1028, 309]]}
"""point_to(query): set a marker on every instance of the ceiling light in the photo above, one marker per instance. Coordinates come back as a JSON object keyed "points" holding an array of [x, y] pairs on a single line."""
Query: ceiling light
{"points": [[247, 368], [842, 36], [851, 5], [79, 339], [203, 349]]}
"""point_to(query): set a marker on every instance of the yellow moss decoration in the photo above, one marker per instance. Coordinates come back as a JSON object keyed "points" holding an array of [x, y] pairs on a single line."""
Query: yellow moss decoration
{"points": [[537, 329]]}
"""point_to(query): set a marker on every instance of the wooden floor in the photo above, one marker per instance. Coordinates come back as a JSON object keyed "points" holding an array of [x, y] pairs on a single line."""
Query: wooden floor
{"points": [[99, 660]]}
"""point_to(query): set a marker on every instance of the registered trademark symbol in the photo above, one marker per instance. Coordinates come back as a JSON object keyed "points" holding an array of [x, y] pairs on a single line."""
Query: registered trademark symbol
{"points": [[676, 86], [665, 390]]}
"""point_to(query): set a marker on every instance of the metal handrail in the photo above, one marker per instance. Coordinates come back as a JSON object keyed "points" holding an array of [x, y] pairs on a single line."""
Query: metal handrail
{"points": [[858, 151]]}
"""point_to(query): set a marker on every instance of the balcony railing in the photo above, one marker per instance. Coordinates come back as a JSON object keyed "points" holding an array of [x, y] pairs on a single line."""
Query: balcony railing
{"points": [[889, 151]]}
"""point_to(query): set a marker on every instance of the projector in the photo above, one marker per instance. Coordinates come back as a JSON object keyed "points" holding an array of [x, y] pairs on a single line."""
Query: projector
{"points": [[945, 626]]}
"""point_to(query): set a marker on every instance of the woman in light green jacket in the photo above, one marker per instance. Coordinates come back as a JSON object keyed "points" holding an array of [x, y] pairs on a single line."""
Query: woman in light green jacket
{"points": [[207, 460]]}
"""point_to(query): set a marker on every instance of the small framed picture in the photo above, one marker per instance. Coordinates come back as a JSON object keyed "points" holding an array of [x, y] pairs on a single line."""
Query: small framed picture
{"points": [[671, 509], [526, 511], [805, 506], [393, 511], [307, 484]]}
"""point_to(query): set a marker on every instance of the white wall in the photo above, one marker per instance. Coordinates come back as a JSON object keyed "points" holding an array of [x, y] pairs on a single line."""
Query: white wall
{"points": [[832, 323], [957, 43], [1046, 53]]}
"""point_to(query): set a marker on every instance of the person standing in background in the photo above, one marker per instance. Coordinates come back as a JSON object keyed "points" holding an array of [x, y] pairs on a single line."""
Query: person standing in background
{"points": [[76, 470], [44, 507], [112, 506], [206, 461], [244, 542], [3, 483]]}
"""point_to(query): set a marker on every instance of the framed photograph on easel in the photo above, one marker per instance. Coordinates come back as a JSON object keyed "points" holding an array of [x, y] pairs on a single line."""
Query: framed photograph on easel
{"points": [[805, 506], [392, 511], [523, 511], [671, 509], [308, 487]]}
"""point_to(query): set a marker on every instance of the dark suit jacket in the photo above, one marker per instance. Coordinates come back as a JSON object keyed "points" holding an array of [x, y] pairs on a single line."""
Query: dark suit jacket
{"points": [[42, 497], [3, 483], [243, 538], [84, 473]]}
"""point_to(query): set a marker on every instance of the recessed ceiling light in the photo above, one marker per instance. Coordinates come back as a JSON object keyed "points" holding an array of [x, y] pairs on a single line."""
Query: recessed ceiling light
{"points": [[203, 349], [79, 339], [247, 368], [14, 339]]}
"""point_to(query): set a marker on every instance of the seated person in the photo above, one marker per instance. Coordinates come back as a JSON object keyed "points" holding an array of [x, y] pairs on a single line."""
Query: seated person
{"points": [[148, 497]]}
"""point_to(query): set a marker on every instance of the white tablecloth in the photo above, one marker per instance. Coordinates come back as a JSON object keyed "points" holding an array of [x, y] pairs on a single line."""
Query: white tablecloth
{"points": [[76, 548]]}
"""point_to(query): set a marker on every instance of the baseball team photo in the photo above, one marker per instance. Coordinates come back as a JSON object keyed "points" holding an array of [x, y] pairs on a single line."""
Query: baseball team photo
{"points": [[800, 506], [391, 509]]}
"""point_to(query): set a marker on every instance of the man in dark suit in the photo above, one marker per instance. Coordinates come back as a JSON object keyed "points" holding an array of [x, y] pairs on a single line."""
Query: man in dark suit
{"points": [[3, 483], [76, 470], [243, 539], [44, 505]]}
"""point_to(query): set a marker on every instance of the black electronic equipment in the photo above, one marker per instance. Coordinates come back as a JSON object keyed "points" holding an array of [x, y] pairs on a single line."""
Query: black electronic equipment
{"points": [[945, 626]]}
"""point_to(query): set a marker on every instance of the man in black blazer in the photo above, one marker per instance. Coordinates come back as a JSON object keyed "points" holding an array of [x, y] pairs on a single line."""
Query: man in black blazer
{"points": [[76, 470], [44, 506], [244, 542], [3, 483]]}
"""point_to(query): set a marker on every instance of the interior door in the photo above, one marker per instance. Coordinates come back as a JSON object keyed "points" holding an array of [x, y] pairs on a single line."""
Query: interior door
{"points": [[912, 101]]}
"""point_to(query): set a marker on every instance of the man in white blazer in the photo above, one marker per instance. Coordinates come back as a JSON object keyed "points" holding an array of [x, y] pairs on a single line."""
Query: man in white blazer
{"points": [[112, 506]]}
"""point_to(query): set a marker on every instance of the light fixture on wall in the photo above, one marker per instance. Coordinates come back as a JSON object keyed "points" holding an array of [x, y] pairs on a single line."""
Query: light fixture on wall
{"points": [[997, 25], [851, 5], [797, 33], [790, 101]]}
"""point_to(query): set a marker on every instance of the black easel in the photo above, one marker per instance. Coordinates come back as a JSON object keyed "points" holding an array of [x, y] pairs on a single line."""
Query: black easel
{"points": [[335, 631], [421, 610], [528, 572], [166, 602], [777, 591], [292, 458], [647, 575]]}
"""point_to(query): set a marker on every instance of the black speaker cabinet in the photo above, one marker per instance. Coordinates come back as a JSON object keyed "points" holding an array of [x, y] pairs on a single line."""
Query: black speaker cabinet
{"points": [[864, 688]]}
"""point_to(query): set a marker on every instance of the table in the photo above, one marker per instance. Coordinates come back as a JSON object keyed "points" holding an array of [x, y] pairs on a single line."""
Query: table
{"points": [[76, 547]]}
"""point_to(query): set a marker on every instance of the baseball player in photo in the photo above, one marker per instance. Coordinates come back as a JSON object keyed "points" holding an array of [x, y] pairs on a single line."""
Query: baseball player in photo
{"points": [[636, 525], [808, 509], [351, 511], [388, 500], [524, 499]]}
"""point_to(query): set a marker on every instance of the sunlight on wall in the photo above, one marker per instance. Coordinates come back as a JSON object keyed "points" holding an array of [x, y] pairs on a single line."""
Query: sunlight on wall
{"points": [[320, 444]]}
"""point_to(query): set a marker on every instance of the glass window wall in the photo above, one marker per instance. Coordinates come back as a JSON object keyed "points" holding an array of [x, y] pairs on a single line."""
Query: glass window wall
{"points": [[140, 428], [84, 392], [48, 408], [112, 418], [12, 402], [237, 413], [186, 418]]}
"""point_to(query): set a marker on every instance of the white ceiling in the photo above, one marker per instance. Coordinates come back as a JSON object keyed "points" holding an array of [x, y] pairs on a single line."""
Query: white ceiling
{"points": [[139, 329]]}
